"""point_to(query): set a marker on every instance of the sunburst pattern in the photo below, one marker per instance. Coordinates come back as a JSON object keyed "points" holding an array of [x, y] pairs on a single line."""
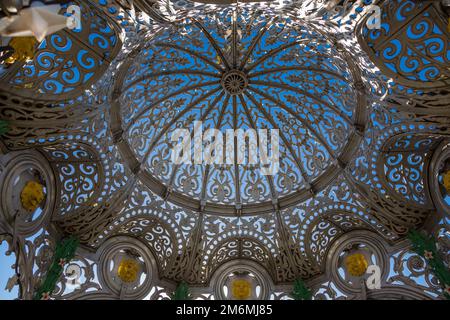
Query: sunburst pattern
{"points": [[240, 71]]}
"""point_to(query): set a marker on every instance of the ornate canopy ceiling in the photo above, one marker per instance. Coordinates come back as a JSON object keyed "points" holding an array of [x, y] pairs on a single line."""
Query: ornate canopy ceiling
{"points": [[240, 70], [363, 120]]}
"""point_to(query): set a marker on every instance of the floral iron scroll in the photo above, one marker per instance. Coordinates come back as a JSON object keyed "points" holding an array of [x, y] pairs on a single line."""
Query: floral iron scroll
{"points": [[66, 62], [412, 46]]}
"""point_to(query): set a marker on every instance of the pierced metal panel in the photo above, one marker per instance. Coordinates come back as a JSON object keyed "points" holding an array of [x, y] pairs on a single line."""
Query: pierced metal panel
{"points": [[244, 70], [67, 62], [412, 46]]}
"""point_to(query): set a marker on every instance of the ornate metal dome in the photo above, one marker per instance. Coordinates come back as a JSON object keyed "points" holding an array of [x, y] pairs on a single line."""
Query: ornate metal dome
{"points": [[93, 206], [238, 70]]}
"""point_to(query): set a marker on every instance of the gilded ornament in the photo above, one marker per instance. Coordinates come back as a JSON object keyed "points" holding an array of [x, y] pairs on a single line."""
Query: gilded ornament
{"points": [[24, 49], [128, 270], [241, 289], [32, 195], [356, 264], [446, 181]]}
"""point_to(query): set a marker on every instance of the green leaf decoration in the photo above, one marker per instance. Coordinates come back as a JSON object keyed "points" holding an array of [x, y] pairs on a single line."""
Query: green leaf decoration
{"points": [[64, 252], [181, 292], [301, 291], [425, 246], [4, 127]]}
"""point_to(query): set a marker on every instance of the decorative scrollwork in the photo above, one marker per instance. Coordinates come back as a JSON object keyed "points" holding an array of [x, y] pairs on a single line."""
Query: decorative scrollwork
{"points": [[237, 80], [404, 161], [109, 257], [362, 158], [80, 173], [19, 169], [412, 45], [66, 62]]}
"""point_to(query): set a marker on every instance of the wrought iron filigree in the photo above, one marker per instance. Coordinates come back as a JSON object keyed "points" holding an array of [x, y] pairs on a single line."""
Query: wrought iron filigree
{"points": [[222, 72]]}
